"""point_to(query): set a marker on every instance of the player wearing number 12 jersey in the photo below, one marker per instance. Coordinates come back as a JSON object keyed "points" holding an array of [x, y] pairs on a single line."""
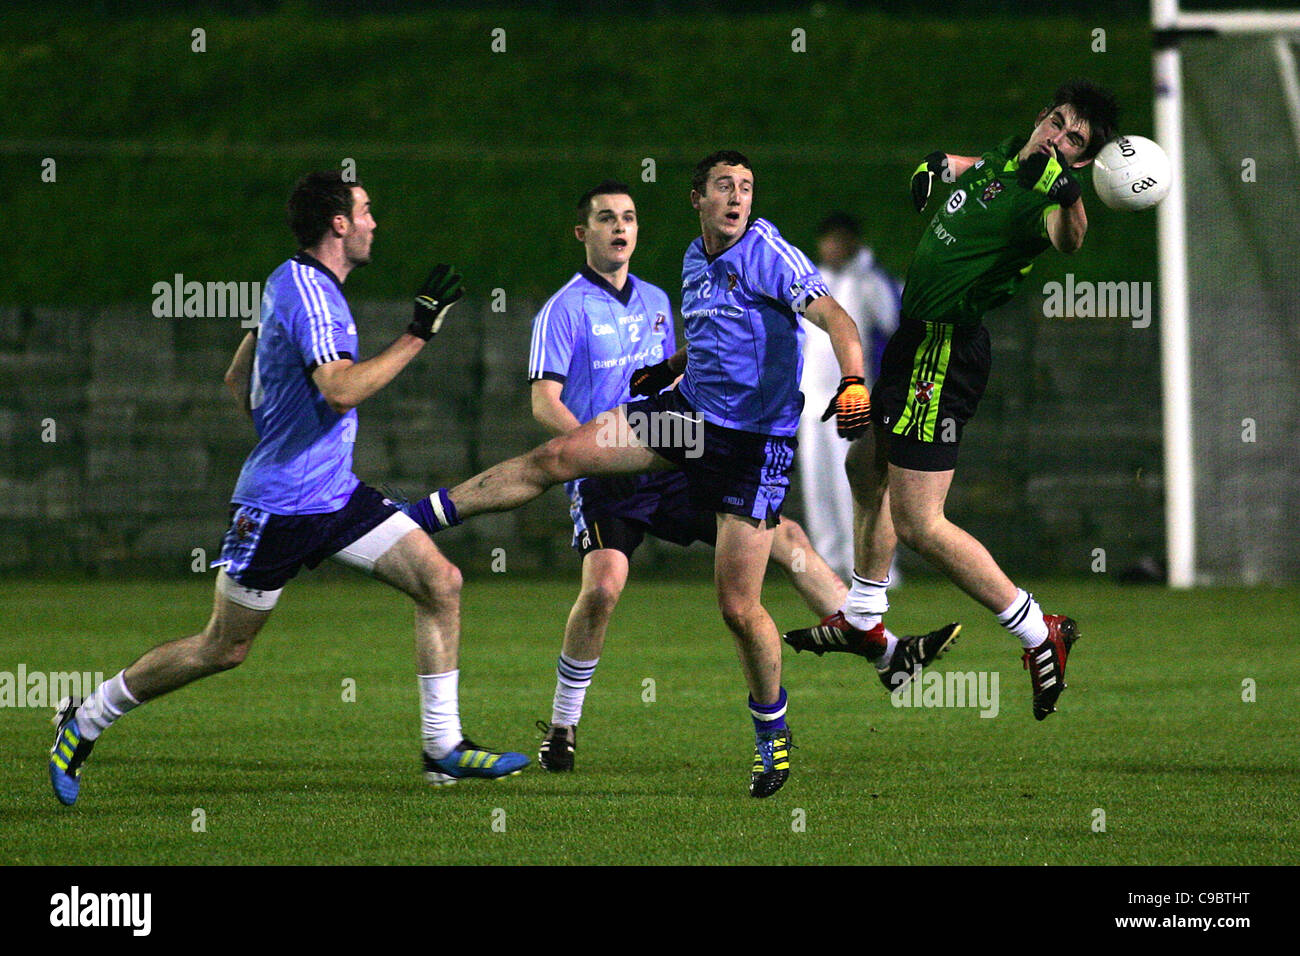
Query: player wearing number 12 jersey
{"points": [[729, 426], [588, 338]]}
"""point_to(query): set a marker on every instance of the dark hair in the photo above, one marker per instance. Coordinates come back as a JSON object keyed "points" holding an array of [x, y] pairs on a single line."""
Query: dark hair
{"points": [[725, 157], [317, 198], [606, 187], [1095, 104], [840, 222]]}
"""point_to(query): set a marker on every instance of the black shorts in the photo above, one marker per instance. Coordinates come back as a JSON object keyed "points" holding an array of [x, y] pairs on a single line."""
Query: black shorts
{"points": [[932, 376], [264, 551], [727, 470], [618, 511]]}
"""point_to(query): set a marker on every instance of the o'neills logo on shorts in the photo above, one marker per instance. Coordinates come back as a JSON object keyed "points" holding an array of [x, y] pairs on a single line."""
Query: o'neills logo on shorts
{"points": [[924, 392]]}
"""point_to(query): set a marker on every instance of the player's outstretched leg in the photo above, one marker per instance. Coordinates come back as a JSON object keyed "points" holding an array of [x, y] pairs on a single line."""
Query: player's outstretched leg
{"points": [[606, 445]]}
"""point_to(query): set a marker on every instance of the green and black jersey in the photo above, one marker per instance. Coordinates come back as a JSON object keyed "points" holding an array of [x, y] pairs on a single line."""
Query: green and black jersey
{"points": [[980, 245]]}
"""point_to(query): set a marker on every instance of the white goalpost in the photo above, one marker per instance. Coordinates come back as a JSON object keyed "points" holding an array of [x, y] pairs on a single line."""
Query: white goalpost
{"points": [[1173, 26]]}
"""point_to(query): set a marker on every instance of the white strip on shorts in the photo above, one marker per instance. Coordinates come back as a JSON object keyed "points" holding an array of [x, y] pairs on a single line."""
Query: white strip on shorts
{"points": [[361, 554]]}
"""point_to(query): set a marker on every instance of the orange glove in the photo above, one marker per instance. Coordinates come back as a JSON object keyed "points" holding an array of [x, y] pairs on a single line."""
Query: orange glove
{"points": [[851, 407]]}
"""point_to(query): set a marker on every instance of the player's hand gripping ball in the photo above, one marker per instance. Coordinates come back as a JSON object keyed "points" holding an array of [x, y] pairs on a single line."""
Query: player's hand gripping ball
{"points": [[441, 290], [851, 407], [1131, 172]]}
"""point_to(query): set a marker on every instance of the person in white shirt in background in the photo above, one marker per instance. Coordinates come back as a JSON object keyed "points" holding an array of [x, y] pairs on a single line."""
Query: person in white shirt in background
{"points": [[872, 296]]}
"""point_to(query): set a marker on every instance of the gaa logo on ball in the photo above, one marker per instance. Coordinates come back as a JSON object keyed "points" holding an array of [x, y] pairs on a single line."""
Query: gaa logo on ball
{"points": [[1131, 172]]}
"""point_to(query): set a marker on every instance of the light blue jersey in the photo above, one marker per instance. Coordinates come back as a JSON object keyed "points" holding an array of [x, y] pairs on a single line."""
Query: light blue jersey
{"points": [[302, 463], [744, 341], [591, 338]]}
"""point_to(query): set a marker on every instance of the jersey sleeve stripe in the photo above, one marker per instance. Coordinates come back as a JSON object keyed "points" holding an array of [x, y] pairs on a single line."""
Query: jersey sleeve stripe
{"points": [[312, 306], [766, 237], [795, 259], [323, 319], [541, 328], [307, 307], [322, 335]]}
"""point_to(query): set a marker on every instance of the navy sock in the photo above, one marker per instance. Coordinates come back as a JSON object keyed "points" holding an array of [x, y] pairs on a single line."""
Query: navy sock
{"points": [[768, 717], [434, 517]]}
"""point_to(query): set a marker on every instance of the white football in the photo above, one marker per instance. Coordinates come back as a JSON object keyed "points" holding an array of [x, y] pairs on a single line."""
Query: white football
{"points": [[1131, 172]]}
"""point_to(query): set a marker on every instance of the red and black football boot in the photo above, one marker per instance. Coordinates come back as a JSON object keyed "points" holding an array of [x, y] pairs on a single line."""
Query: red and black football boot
{"points": [[835, 633], [1046, 663]]}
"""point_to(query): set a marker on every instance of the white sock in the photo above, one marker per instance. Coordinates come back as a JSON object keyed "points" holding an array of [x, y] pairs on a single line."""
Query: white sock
{"points": [[107, 702], [867, 602], [1024, 619], [572, 678], [891, 642], [440, 713]]}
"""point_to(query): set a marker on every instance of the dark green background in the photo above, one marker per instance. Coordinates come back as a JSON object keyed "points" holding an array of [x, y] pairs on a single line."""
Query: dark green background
{"points": [[170, 161]]}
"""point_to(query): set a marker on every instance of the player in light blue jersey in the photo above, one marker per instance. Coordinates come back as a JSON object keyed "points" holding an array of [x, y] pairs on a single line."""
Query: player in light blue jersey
{"points": [[297, 502], [587, 340], [741, 305]]}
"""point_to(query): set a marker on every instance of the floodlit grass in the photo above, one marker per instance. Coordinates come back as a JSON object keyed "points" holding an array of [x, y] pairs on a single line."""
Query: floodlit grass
{"points": [[1153, 731]]}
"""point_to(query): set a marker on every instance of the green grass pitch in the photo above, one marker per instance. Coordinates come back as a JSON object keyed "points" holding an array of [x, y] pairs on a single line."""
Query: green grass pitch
{"points": [[1153, 732]]}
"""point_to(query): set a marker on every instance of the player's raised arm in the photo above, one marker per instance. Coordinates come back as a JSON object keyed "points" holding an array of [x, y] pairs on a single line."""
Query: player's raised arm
{"points": [[345, 384], [941, 165], [1067, 226], [240, 373], [851, 404], [1055, 178]]}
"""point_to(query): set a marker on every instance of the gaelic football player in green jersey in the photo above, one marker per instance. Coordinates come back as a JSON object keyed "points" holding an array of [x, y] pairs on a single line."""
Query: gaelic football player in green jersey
{"points": [[1004, 208]]}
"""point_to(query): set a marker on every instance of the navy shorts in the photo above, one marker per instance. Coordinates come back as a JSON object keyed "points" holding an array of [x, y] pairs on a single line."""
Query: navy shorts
{"points": [[618, 511], [727, 470], [263, 550]]}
